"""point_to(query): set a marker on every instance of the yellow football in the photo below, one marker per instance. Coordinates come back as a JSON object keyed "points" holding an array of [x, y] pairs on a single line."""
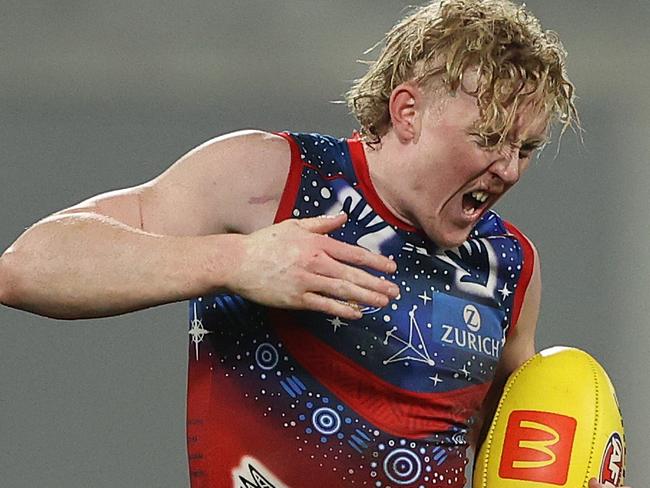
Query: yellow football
{"points": [[558, 423]]}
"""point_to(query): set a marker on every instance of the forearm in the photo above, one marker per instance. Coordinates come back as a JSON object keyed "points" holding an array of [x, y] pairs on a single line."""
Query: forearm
{"points": [[86, 265]]}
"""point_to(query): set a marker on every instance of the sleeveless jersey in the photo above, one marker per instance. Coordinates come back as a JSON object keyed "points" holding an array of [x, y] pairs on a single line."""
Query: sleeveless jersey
{"points": [[302, 399]]}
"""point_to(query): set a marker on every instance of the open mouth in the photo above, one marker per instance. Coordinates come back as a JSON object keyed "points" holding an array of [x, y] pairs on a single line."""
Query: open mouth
{"points": [[475, 201]]}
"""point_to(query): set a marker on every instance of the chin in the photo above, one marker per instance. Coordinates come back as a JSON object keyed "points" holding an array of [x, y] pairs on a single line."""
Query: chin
{"points": [[448, 240]]}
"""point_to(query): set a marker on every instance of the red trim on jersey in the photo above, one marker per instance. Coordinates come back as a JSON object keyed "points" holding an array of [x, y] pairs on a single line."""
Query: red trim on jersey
{"points": [[400, 412], [360, 164], [290, 192], [526, 272]]}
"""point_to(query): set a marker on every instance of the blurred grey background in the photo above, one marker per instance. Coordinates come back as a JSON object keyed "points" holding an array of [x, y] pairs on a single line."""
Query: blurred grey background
{"points": [[98, 95]]}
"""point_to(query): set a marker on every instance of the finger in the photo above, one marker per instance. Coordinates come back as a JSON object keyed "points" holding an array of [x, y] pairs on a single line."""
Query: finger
{"points": [[594, 484], [344, 290], [323, 224], [335, 269], [359, 256], [330, 306]]}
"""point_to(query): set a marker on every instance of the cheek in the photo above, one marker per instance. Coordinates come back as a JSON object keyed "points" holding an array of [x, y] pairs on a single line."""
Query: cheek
{"points": [[469, 161]]}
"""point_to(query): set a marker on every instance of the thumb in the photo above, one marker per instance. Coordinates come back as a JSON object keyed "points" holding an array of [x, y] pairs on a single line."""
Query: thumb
{"points": [[323, 224]]}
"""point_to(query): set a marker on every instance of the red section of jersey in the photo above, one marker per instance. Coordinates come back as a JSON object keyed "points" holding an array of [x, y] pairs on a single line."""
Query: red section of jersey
{"points": [[526, 273], [363, 177], [292, 185], [395, 410], [227, 427], [537, 447]]}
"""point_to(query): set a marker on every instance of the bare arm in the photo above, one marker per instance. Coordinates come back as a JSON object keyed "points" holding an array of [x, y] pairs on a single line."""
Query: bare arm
{"points": [[129, 249], [181, 235], [519, 347], [83, 265]]}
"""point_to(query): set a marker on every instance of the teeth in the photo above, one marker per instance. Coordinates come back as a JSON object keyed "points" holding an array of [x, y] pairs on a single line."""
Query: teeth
{"points": [[480, 196]]}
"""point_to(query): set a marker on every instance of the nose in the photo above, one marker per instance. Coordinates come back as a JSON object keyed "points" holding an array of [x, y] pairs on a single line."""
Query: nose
{"points": [[506, 167]]}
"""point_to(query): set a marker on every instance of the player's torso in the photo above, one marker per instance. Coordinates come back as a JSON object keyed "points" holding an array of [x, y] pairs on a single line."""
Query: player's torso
{"points": [[305, 399]]}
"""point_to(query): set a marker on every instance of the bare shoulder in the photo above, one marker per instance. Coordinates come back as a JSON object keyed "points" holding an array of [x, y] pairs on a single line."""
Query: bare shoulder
{"points": [[520, 345], [232, 183]]}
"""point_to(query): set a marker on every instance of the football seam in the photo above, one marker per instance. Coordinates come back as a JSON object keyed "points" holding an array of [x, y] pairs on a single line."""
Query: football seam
{"points": [[594, 432]]}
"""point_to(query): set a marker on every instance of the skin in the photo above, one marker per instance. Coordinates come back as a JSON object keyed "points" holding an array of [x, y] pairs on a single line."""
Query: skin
{"points": [[433, 136], [108, 245]]}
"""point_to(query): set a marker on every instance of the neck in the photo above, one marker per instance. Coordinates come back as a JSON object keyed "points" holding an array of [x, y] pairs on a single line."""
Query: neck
{"points": [[388, 170]]}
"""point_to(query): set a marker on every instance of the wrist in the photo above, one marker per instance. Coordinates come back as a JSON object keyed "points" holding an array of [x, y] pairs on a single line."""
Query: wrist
{"points": [[225, 255]]}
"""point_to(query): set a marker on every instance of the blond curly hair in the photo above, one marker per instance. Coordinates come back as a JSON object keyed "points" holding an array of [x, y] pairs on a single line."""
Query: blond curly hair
{"points": [[518, 64]]}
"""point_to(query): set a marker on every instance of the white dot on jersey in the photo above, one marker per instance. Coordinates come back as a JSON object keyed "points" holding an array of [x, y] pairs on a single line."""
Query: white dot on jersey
{"points": [[386, 318], [325, 192], [296, 212]]}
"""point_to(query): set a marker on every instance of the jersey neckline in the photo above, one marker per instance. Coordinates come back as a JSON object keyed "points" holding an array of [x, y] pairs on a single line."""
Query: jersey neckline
{"points": [[360, 165]]}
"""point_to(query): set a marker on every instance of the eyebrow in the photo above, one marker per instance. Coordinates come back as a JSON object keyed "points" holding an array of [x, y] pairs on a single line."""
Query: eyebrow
{"points": [[535, 142]]}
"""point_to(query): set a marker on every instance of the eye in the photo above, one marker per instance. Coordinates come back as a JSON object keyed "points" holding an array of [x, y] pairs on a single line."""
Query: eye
{"points": [[527, 150], [486, 141], [525, 153]]}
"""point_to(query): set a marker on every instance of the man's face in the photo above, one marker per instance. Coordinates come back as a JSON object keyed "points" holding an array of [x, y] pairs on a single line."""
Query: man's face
{"points": [[453, 177]]}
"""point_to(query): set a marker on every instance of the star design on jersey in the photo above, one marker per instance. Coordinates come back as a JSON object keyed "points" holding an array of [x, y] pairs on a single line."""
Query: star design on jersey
{"points": [[425, 298], [414, 345], [336, 323], [465, 371], [197, 332], [505, 293]]}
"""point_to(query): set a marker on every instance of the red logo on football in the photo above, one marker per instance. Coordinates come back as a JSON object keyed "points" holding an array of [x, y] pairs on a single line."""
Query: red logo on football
{"points": [[537, 447], [613, 465]]}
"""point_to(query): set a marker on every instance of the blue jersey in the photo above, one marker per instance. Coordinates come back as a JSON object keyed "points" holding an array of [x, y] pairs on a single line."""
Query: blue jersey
{"points": [[304, 399]]}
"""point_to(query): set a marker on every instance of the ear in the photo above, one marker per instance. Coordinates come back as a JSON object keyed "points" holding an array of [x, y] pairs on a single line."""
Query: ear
{"points": [[405, 106]]}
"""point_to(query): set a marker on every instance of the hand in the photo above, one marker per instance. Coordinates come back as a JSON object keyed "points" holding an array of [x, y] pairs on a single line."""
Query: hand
{"points": [[294, 265], [594, 484]]}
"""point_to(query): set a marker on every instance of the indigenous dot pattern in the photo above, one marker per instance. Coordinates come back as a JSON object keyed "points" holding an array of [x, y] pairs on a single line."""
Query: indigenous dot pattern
{"points": [[440, 339]]}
